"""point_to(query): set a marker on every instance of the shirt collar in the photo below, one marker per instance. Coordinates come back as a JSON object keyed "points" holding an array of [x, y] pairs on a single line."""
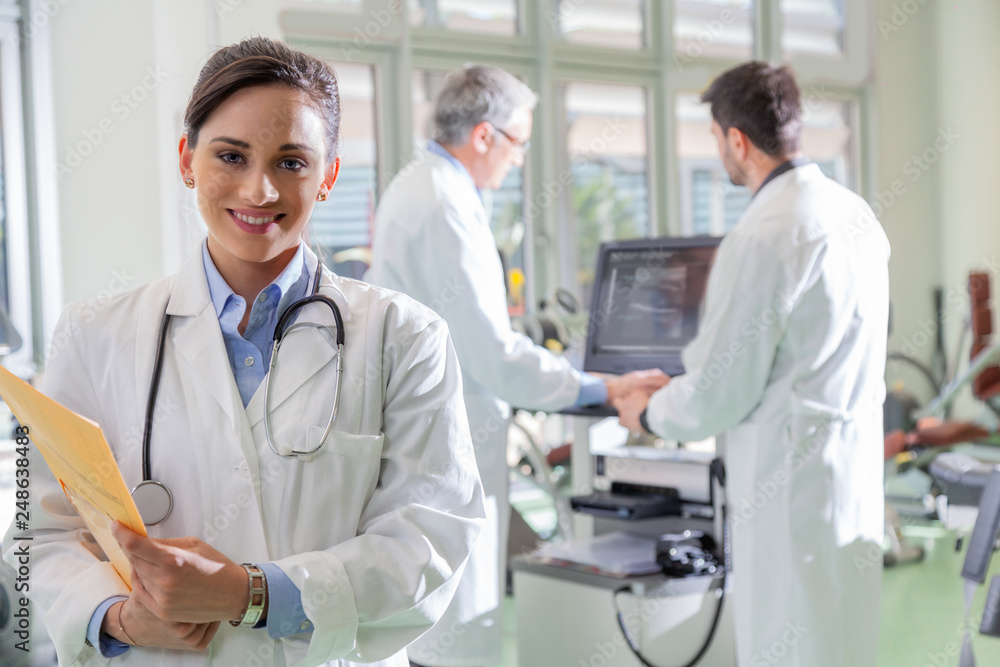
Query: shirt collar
{"points": [[436, 148], [220, 290], [788, 165]]}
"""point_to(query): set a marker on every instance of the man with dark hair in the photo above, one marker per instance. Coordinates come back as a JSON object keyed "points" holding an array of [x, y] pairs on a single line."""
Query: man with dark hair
{"points": [[787, 369], [763, 102]]}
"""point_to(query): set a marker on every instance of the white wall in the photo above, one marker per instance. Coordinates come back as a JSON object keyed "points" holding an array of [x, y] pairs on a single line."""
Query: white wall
{"points": [[906, 122], [936, 138], [969, 96], [122, 71]]}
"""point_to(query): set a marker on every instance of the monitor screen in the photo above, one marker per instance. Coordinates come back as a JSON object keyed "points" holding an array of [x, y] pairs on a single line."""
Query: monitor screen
{"points": [[648, 299]]}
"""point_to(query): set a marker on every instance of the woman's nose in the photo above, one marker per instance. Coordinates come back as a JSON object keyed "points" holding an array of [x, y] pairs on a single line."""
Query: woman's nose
{"points": [[258, 188]]}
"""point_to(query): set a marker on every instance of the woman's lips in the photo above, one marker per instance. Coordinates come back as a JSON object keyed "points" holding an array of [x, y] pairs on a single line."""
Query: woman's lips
{"points": [[255, 224]]}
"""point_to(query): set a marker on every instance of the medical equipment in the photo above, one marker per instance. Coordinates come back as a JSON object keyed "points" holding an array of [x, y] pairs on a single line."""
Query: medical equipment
{"points": [[152, 498], [664, 618], [648, 300]]}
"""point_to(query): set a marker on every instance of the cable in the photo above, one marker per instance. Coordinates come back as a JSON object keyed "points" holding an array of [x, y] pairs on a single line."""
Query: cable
{"points": [[717, 472], [927, 372]]}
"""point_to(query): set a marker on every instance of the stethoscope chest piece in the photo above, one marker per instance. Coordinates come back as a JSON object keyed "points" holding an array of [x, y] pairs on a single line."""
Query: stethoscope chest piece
{"points": [[153, 500]]}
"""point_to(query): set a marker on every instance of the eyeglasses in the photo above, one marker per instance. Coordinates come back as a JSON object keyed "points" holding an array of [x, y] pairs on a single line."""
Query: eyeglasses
{"points": [[522, 146]]}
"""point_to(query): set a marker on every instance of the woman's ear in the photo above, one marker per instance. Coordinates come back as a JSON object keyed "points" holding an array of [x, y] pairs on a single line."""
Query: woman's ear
{"points": [[186, 154], [332, 172]]}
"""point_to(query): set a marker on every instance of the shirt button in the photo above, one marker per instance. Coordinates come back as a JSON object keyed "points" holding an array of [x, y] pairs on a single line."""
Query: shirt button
{"points": [[245, 469], [305, 625], [262, 298], [248, 362]]}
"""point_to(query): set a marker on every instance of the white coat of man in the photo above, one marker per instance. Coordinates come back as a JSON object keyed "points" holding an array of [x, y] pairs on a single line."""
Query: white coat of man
{"points": [[788, 368], [433, 242]]}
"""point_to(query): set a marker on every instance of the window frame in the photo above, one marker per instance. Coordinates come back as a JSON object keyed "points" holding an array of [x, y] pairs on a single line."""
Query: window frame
{"points": [[33, 259], [538, 55]]}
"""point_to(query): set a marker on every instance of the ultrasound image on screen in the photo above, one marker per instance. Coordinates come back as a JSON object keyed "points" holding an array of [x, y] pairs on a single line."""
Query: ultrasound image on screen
{"points": [[651, 300]]}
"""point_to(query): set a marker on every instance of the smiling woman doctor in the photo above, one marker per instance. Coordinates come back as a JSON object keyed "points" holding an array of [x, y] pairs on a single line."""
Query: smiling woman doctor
{"points": [[350, 552]]}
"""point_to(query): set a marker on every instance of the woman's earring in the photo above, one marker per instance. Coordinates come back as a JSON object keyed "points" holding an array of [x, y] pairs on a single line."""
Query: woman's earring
{"points": [[189, 182], [321, 196]]}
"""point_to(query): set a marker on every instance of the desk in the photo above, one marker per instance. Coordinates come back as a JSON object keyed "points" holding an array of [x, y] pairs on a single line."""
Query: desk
{"points": [[565, 618]]}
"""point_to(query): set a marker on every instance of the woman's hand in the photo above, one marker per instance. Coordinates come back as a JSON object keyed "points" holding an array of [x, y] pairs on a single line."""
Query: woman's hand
{"points": [[142, 628], [183, 580]]}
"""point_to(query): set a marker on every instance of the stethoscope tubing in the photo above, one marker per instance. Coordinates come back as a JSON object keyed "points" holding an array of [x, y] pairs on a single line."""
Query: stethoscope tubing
{"points": [[279, 333], [156, 494], [154, 389]]}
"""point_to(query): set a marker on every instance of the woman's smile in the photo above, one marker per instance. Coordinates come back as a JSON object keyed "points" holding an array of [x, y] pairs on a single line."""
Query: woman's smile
{"points": [[255, 222]]}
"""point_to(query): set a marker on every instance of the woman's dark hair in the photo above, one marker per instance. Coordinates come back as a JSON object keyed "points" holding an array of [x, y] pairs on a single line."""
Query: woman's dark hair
{"points": [[259, 61], [763, 102]]}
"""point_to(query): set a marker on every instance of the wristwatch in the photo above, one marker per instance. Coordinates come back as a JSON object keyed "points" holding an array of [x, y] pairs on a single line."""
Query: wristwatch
{"points": [[258, 597], [643, 423]]}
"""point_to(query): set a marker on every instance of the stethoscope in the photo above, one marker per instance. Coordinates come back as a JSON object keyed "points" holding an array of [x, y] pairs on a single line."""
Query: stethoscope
{"points": [[152, 498]]}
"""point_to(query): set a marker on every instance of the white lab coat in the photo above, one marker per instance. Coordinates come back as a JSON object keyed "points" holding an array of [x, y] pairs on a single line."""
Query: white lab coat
{"points": [[433, 242], [788, 365], [374, 529]]}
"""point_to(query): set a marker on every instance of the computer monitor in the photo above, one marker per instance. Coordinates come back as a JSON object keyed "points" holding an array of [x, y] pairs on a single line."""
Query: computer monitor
{"points": [[648, 299]]}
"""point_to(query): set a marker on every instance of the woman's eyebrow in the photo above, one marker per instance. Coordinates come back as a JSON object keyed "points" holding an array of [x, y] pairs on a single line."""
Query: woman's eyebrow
{"points": [[242, 144], [295, 147], [230, 140]]}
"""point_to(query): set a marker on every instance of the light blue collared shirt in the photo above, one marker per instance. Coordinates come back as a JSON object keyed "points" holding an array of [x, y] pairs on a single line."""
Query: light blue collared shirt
{"points": [[593, 390], [250, 352]]}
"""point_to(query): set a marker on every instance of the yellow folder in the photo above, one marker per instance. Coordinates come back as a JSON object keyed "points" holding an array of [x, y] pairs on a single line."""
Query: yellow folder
{"points": [[81, 460]]}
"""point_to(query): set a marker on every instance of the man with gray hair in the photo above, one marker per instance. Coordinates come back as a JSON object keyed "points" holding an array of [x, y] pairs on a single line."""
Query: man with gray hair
{"points": [[433, 242]]}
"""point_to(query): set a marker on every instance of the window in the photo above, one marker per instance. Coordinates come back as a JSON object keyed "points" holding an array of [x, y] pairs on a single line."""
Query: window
{"points": [[813, 27], [343, 223], [710, 203], [712, 28], [601, 66], [498, 17], [4, 291], [426, 86], [607, 149], [608, 23], [347, 3], [828, 138], [16, 251]]}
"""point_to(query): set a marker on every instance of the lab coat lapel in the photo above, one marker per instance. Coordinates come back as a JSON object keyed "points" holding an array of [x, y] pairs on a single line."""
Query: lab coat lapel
{"points": [[305, 352], [197, 338]]}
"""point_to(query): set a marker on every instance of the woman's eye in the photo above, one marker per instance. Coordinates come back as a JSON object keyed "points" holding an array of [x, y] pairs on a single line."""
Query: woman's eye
{"points": [[231, 158], [292, 164]]}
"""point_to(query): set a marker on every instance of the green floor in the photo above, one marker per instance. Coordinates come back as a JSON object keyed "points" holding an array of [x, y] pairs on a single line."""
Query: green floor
{"points": [[923, 605]]}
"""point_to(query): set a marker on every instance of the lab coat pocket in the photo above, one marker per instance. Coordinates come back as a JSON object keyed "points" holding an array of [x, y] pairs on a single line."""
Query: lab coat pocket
{"points": [[334, 486], [810, 428]]}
